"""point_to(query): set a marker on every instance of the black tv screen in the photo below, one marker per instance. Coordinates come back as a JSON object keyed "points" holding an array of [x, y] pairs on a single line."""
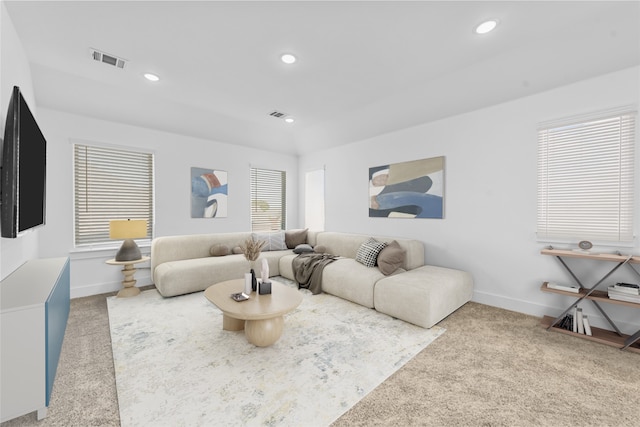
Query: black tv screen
{"points": [[24, 170]]}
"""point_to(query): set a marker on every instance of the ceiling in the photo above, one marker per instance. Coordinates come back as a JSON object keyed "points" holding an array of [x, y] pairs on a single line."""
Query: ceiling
{"points": [[364, 67]]}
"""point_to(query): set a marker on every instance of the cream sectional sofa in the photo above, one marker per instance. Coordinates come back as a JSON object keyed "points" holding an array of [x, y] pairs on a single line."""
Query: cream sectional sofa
{"points": [[415, 292]]}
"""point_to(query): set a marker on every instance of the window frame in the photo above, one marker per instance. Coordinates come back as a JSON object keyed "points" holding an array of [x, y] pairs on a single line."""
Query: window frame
{"points": [[278, 195], [91, 230], [586, 170]]}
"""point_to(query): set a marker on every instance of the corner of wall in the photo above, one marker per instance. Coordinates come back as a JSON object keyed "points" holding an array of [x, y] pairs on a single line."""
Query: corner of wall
{"points": [[14, 71]]}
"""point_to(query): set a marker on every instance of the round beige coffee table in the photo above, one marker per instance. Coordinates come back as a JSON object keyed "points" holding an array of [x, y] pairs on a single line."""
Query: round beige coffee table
{"points": [[261, 316]]}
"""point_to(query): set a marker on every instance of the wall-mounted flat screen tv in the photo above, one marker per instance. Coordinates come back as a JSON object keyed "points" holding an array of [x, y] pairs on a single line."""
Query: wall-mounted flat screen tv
{"points": [[24, 170]]}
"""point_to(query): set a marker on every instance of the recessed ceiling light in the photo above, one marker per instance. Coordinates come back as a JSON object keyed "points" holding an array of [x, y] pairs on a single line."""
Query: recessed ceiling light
{"points": [[151, 77], [289, 119], [486, 26], [288, 58]]}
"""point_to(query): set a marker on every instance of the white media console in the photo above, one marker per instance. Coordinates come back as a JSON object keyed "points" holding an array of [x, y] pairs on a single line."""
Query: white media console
{"points": [[34, 308]]}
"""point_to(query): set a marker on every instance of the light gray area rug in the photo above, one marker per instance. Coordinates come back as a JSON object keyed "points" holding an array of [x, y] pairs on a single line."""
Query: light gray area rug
{"points": [[175, 366]]}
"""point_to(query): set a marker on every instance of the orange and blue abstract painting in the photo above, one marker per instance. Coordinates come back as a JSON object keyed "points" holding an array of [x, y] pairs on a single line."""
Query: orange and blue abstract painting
{"points": [[208, 193], [413, 189]]}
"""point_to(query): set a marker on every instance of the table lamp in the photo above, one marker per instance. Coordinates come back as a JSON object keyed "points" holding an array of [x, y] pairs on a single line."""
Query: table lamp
{"points": [[128, 230]]}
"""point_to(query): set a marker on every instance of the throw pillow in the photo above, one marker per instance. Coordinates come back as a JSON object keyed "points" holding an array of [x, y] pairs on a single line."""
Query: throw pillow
{"points": [[219, 250], [303, 248], [294, 238], [391, 257], [368, 252], [274, 241], [237, 250], [320, 249]]}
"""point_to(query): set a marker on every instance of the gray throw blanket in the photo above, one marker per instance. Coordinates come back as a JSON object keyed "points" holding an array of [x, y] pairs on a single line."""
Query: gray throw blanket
{"points": [[307, 269]]}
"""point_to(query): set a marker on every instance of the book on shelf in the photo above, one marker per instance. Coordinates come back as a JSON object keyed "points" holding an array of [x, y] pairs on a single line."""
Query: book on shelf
{"points": [[566, 288], [578, 323], [627, 288], [566, 323], [622, 296], [579, 320], [587, 325]]}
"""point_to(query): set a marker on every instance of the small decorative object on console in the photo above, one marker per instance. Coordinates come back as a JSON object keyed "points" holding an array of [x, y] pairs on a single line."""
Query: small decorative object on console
{"points": [[585, 245]]}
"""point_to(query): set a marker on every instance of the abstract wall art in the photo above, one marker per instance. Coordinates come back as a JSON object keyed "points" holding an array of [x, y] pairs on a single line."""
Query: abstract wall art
{"points": [[208, 193], [413, 189]]}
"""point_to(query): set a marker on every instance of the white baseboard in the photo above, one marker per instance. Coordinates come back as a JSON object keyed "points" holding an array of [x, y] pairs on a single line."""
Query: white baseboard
{"points": [[104, 288], [539, 310]]}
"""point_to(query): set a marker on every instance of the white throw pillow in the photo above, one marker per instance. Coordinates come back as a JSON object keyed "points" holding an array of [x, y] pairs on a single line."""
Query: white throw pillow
{"points": [[274, 240]]}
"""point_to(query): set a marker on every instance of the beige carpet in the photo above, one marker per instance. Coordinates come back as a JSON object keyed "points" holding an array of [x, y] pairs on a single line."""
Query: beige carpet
{"points": [[491, 368]]}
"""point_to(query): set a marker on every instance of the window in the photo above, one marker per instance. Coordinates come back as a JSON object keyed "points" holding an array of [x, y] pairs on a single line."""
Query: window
{"points": [[268, 200], [585, 179], [110, 184]]}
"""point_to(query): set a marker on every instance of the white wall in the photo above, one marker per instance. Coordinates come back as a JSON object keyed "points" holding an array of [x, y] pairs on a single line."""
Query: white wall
{"points": [[174, 156], [490, 188], [490, 193], [14, 71]]}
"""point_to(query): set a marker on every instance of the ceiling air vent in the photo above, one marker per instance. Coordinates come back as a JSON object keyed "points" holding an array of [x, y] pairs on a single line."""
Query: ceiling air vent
{"points": [[284, 116], [278, 114], [107, 59]]}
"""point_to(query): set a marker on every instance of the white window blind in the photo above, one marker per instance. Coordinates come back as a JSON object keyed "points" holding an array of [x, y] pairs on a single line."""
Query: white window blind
{"points": [[110, 184], [268, 200], [585, 179]]}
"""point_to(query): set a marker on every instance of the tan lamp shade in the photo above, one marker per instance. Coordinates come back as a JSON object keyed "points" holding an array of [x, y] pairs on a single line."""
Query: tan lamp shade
{"points": [[128, 229]]}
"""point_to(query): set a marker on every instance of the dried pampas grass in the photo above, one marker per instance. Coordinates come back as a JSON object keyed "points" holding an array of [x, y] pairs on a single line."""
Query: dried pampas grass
{"points": [[252, 248]]}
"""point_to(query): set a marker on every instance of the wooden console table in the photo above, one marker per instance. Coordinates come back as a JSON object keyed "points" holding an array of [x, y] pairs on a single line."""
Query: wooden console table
{"points": [[591, 293]]}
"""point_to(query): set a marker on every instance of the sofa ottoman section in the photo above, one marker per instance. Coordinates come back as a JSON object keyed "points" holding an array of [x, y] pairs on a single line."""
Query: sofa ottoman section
{"points": [[423, 296]]}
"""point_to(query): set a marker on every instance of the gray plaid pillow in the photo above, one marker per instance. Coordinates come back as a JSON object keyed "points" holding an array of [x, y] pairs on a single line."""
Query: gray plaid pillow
{"points": [[368, 252]]}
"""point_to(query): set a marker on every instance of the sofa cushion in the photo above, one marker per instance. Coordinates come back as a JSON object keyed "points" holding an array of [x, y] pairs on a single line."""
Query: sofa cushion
{"points": [[367, 254], [174, 248], [219, 250], [193, 275], [285, 266], [348, 279], [391, 257], [274, 240], [293, 238]]}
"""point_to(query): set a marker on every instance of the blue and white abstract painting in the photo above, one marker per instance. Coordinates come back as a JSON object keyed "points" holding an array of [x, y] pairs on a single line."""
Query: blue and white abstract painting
{"points": [[413, 189]]}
